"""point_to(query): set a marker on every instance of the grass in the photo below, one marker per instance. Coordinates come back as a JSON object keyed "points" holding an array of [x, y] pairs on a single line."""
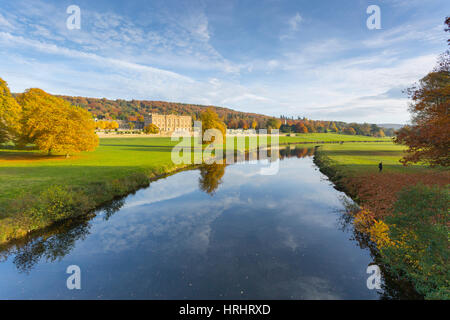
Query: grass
{"points": [[352, 166], [328, 137], [25, 172], [118, 166], [362, 158], [399, 196]]}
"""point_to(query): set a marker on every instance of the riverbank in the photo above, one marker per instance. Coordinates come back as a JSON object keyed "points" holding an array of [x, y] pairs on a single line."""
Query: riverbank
{"points": [[37, 190], [404, 209]]}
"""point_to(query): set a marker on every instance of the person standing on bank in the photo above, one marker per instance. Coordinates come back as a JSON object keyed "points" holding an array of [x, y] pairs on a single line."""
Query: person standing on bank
{"points": [[380, 166]]}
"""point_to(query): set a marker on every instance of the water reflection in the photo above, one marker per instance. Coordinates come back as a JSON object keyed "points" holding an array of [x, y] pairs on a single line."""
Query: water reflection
{"points": [[211, 174], [49, 245], [210, 177], [255, 237], [53, 243], [393, 288]]}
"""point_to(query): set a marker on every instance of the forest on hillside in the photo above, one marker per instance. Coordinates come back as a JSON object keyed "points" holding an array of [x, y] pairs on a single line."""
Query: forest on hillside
{"points": [[133, 110]]}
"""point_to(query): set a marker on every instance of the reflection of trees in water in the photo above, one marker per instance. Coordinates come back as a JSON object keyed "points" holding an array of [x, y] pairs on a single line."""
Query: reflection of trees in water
{"points": [[211, 177], [211, 174], [298, 152], [53, 243], [266, 153], [112, 208], [393, 287]]}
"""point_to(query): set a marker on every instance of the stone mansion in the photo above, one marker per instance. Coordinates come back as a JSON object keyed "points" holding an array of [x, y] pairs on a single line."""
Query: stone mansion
{"points": [[170, 122], [165, 123]]}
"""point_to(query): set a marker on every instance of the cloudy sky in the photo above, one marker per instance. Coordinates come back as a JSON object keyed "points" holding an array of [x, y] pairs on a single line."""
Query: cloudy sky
{"points": [[298, 58]]}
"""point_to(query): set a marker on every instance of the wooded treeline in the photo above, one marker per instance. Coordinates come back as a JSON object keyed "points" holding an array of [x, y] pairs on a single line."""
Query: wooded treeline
{"points": [[132, 110]]}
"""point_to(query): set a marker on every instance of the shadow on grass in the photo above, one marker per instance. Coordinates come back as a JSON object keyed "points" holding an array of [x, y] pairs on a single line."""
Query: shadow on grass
{"points": [[17, 155]]}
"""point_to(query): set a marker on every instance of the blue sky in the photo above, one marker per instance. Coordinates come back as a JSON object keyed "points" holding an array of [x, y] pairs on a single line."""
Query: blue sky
{"points": [[299, 58]]}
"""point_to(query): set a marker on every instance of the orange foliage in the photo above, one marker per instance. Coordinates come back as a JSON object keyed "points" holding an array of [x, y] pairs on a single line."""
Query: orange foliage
{"points": [[377, 192]]}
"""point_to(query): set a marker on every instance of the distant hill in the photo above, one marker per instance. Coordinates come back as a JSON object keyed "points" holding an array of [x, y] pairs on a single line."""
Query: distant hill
{"points": [[394, 126], [133, 110]]}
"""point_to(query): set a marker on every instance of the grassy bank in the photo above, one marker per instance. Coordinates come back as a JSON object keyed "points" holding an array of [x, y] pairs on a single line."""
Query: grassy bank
{"points": [[36, 189], [405, 209]]}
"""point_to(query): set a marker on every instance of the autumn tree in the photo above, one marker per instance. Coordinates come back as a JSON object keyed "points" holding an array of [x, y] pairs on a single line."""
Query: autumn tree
{"points": [[151, 129], [101, 125], [273, 123], [350, 131], [243, 124], [210, 120], [10, 112], [55, 125], [428, 138]]}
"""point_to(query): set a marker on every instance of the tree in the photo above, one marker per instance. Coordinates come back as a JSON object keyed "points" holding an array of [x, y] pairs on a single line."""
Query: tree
{"points": [[254, 124], [10, 112], [54, 125], [243, 124], [350, 131], [151, 129], [113, 125], [273, 123], [233, 124], [333, 127], [101, 125], [210, 120], [300, 128], [428, 138]]}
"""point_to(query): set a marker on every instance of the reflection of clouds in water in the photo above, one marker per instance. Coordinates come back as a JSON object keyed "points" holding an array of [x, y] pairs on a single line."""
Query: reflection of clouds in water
{"points": [[311, 288], [180, 184], [154, 212], [144, 226]]}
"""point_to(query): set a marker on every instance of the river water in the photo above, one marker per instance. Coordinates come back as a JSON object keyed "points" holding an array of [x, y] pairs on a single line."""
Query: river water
{"points": [[211, 233]]}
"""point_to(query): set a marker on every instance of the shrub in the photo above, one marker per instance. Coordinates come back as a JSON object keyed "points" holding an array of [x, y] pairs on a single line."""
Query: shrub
{"points": [[419, 227], [58, 203]]}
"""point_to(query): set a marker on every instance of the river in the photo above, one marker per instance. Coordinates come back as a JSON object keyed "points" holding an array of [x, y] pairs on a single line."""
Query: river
{"points": [[211, 233]]}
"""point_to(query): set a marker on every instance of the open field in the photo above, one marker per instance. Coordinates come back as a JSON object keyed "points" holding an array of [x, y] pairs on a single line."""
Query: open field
{"points": [[118, 166], [23, 172], [328, 137], [353, 167], [410, 201]]}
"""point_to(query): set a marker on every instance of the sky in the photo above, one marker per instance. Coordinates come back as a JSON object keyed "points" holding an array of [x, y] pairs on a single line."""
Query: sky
{"points": [[301, 58]]}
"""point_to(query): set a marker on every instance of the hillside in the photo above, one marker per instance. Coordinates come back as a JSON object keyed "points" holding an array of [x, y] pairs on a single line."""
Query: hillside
{"points": [[134, 109], [129, 110]]}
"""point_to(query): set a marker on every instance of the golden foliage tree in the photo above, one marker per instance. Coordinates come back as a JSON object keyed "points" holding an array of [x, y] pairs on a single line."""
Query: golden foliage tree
{"points": [[151, 129], [10, 112], [210, 120], [54, 125]]}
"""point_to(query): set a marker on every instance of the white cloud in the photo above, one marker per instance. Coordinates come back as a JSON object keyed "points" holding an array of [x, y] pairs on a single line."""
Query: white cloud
{"points": [[295, 21]]}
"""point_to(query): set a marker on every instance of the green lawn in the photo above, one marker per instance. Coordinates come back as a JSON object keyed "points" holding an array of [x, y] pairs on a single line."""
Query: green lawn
{"points": [[117, 167], [327, 137], [361, 158], [23, 172]]}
